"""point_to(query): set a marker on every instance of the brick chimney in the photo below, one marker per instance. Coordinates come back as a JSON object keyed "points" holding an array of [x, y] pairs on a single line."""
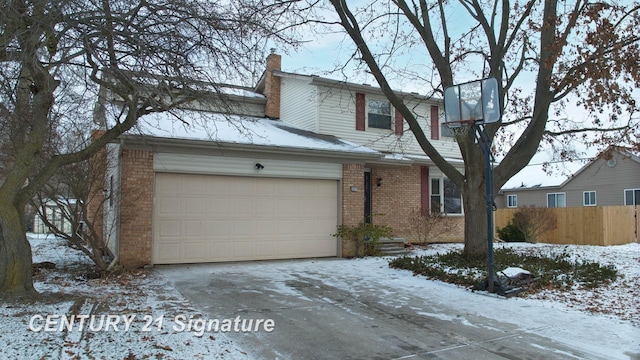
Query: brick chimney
{"points": [[272, 86]]}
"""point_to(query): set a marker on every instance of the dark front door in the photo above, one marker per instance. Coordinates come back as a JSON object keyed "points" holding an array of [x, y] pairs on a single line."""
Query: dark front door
{"points": [[367, 197]]}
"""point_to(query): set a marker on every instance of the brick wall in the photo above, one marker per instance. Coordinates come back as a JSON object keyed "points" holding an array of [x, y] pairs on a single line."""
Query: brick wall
{"points": [[396, 199], [136, 208], [397, 203], [272, 86], [352, 201]]}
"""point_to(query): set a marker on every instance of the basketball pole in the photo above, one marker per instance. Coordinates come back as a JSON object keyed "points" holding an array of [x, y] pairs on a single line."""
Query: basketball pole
{"points": [[485, 144]]}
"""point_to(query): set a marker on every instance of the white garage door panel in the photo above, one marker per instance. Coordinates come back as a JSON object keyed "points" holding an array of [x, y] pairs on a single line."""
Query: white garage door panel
{"points": [[208, 218]]}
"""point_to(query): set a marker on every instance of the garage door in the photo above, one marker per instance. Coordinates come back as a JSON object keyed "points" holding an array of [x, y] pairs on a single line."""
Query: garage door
{"points": [[207, 218]]}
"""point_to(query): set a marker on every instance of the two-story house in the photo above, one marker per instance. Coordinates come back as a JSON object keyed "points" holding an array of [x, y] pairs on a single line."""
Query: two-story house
{"points": [[300, 155], [611, 178]]}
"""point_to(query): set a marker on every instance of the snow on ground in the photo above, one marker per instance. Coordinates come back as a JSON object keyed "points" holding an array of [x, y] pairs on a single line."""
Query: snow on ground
{"points": [[617, 300], [145, 293], [65, 291]]}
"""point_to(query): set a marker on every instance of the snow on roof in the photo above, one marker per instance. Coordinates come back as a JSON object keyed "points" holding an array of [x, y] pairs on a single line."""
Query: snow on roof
{"points": [[237, 129], [538, 175], [239, 91]]}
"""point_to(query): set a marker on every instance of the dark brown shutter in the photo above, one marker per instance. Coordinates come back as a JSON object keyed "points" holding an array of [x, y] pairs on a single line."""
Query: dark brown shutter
{"points": [[435, 124], [360, 112], [424, 190], [399, 123]]}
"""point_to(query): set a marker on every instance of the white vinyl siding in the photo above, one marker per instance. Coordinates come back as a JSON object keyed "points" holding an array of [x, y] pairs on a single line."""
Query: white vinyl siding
{"points": [[243, 166], [301, 106], [337, 114], [111, 208]]}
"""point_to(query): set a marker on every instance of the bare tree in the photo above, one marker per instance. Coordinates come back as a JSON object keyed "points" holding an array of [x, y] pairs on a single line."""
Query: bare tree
{"points": [[427, 226], [71, 191], [543, 54], [56, 55]]}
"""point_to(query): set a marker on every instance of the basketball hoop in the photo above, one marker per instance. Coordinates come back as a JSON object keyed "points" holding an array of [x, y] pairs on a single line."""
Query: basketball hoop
{"points": [[460, 128], [472, 103], [468, 107]]}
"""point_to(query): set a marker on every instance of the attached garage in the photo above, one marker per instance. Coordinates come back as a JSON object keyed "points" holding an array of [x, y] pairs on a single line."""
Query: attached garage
{"points": [[285, 210]]}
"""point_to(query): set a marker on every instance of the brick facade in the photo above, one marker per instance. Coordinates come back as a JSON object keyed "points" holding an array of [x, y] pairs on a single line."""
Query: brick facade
{"points": [[399, 201], [352, 201], [136, 206], [394, 203], [272, 86], [396, 199]]}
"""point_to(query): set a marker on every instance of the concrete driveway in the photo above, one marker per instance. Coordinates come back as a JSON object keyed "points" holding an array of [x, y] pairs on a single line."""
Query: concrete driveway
{"points": [[361, 309]]}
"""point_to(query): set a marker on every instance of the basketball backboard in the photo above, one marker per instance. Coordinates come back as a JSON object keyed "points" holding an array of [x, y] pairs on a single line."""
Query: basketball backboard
{"points": [[476, 102]]}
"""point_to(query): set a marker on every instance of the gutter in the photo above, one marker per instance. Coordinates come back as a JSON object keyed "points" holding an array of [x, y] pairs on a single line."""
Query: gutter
{"points": [[176, 144]]}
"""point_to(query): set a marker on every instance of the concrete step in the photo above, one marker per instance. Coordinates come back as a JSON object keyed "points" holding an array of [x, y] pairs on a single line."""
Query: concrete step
{"points": [[392, 240], [392, 246], [393, 252]]}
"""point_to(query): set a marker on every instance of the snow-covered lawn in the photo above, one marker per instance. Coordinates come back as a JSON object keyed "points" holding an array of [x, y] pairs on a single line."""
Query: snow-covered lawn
{"points": [[66, 292], [139, 294], [619, 299]]}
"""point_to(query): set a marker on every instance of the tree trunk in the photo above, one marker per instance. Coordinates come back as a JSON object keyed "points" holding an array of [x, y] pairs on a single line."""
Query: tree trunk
{"points": [[16, 278], [475, 211]]}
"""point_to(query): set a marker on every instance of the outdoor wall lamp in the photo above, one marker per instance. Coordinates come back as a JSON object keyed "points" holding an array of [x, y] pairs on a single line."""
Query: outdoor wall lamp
{"points": [[259, 166], [379, 182]]}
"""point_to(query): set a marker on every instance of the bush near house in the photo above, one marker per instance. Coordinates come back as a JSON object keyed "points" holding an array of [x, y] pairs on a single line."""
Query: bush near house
{"points": [[365, 236], [427, 226], [557, 271], [528, 224], [510, 233]]}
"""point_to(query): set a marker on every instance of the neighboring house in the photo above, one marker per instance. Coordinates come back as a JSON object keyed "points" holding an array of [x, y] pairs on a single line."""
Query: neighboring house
{"points": [[56, 213], [612, 178], [301, 155]]}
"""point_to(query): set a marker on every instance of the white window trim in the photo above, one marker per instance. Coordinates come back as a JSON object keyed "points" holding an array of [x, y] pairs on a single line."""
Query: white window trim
{"points": [[515, 196], [557, 193], [624, 196], [595, 195], [442, 195]]}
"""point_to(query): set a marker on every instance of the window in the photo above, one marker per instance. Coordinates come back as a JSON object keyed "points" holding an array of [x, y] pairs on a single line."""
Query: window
{"points": [[589, 198], [452, 198], [379, 114], [436, 202], [556, 200], [445, 196], [632, 197], [512, 201]]}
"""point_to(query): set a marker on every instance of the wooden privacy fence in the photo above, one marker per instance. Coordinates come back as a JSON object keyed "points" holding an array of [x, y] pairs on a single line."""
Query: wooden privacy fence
{"points": [[588, 225]]}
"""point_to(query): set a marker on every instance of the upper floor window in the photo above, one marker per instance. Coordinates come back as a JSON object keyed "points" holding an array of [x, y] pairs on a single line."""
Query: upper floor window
{"points": [[379, 114], [556, 200], [445, 196], [632, 197], [512, 201], [589, 198]]}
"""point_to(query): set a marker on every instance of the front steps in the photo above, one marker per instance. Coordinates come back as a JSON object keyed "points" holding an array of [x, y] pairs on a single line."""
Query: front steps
{"points": [[392, 246]]}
